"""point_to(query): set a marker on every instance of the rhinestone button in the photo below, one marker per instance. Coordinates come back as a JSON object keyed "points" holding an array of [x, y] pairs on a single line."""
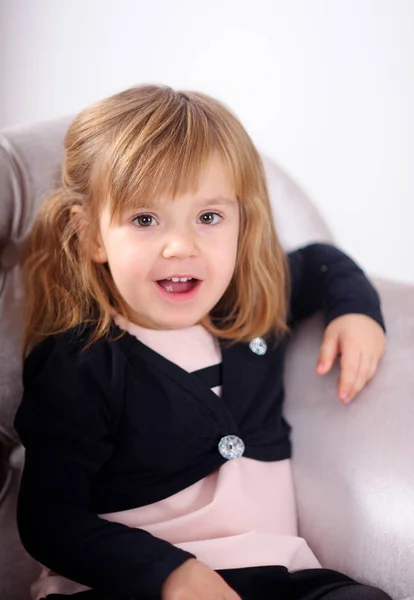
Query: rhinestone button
{"points": [[258, 346], [231, 446]]}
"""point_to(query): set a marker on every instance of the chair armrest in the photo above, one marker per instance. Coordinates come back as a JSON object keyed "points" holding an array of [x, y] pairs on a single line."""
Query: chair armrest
{"points": [[354, 464]]}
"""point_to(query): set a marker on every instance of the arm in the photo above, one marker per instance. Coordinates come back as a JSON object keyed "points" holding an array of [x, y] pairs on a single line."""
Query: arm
{"points": [[64, 422], [324, 278]]}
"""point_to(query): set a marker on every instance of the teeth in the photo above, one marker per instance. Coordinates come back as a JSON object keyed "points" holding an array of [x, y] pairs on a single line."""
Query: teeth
{"points": [[179, 278]]}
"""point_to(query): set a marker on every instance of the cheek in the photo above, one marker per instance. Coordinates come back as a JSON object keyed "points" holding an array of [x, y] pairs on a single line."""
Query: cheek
{"points": [[223, 257], [125, 258]]}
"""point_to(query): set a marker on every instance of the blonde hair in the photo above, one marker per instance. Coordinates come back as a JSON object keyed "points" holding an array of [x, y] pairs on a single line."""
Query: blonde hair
{"points": [[142, 143]]}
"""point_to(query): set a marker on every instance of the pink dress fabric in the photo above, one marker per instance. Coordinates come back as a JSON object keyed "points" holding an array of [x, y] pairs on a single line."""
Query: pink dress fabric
{"points": [[241, 515]]}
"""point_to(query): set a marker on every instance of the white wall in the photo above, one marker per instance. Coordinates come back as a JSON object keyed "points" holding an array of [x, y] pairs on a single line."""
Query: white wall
{"points": [[325, 87]]}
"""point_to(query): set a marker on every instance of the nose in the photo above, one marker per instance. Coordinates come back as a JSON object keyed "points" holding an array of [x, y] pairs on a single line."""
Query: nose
{"points": [[180, 243]]}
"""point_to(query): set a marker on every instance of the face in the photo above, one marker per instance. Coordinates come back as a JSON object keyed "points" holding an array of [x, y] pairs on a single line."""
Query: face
{"points": [[194, 235]]}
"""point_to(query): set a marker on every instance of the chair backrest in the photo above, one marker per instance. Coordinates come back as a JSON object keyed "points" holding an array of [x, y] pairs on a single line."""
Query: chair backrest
{"points": [[30, 162]]}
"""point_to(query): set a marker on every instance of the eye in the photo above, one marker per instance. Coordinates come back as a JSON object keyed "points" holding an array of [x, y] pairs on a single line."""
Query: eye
{"points": [[208, 218], [143, 220]]}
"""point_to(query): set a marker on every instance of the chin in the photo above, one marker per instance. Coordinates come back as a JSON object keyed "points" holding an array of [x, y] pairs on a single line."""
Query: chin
{"points": [[179, 323]]}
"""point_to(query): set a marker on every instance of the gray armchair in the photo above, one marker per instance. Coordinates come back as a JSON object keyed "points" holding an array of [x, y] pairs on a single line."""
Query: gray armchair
{"points": [[353, 465]]}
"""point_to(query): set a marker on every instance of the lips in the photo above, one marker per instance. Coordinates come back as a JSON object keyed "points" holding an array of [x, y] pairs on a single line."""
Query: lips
{"points": [[178, 287]]}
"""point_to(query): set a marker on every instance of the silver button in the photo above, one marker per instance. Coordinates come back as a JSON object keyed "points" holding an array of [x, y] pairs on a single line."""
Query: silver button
{"points": [[231, 446], [258, 346]]}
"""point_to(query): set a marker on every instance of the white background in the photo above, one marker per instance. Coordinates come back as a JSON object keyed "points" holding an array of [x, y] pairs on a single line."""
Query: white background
{"points": [[324, 87]]}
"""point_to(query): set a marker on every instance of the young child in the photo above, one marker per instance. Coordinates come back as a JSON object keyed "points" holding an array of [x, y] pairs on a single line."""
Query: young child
{"points": [[158, 304]]}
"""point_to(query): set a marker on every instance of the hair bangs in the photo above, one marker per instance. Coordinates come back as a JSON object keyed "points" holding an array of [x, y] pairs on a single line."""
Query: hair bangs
{"points": [[164, 158]]}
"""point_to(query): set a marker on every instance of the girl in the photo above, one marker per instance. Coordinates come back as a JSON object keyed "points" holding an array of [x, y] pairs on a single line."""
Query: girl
{"points": [[158, 303]]}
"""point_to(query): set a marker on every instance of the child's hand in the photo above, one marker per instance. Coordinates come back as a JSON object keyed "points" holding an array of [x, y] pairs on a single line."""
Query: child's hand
{"points": [[360, 342], [194, 580]]}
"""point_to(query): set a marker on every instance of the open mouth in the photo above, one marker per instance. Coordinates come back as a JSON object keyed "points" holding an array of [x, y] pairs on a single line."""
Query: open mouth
{"points": [[178, 287]]}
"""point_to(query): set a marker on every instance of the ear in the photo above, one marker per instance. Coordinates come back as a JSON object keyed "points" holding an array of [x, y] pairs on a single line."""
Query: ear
{"points": [[96, 248]]}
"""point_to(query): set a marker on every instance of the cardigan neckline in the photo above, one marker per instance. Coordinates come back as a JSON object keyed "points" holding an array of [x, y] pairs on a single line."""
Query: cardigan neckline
{"points": [[218, 406]]}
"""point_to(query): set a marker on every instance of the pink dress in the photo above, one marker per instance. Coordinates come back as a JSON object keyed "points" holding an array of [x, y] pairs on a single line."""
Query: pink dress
{"points": [[241, 515]]}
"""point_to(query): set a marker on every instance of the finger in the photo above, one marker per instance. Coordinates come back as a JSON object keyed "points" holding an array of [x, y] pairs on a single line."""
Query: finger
{"points": [[350, 363], [327, 354], [372, 367], [362, 377]]}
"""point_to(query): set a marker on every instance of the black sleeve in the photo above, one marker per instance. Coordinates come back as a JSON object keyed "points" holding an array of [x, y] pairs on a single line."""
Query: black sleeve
{"points": [[64, 421], [324, 278]]}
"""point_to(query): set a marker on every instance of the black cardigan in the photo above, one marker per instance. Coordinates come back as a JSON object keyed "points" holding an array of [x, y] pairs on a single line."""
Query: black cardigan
{"points": [[119, 426]]}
